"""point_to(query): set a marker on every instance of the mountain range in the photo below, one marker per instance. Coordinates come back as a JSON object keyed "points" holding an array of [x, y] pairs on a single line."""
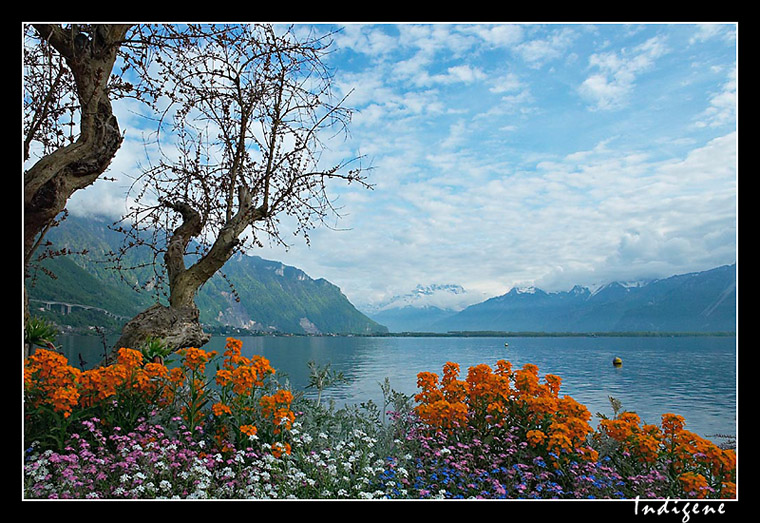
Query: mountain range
{"points": [[695, 302], [268, 296]]}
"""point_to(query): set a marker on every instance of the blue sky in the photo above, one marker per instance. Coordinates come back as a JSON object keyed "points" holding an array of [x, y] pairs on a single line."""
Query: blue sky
{"points": [[527, 154]]}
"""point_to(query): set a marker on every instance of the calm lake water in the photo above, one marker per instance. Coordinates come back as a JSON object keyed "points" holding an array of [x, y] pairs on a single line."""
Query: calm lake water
{"points": [[691, 376]]}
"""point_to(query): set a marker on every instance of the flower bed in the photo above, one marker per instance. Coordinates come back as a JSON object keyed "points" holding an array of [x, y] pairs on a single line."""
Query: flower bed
{"points": [[138, 429]]}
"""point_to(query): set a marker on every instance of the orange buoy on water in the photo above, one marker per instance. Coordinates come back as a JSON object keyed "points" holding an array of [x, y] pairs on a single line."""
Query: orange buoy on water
{"points": [[617, 362]]}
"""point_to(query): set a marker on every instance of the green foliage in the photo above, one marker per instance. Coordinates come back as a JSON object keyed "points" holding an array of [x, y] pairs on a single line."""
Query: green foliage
{"points": [[39, 332], [322, 377], [155, 350]]}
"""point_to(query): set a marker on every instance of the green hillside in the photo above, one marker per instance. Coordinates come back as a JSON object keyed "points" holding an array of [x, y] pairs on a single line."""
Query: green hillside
{"points": [[272, 296]]}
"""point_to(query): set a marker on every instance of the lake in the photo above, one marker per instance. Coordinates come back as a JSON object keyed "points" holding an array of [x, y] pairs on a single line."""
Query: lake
{"points": [[691, 376]]}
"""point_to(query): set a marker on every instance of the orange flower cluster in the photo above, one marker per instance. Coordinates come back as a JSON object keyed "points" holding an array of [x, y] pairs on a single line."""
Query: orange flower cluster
{"points": [[245, 374], [277, 407], [278, 449], [442, 406], [241, 379], [558, 424], [50, 381], [238, 404], [127, 374], [491, 398], [56, 383], [489, 393], [248, 430], [196, 359], [700, 464], [642, 442]]}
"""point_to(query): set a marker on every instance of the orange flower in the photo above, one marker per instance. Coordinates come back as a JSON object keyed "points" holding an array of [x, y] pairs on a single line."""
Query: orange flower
{"points": [[130, 358], [196, 359], [176, 376], [558, 439], [220, 409], [553, 382], [65, 399], [232, 357], [277, 407], [672, 424], [728, 490], [535, 437], [248, 430], [526, 380], [223, 377], [695, 485], [156, 370], [279, 448], [50, 380]]}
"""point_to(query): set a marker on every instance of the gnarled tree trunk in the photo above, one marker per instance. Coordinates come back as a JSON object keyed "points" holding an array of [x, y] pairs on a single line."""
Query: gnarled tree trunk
{"points": [[51, 181], [177, 327], [178, 324]]}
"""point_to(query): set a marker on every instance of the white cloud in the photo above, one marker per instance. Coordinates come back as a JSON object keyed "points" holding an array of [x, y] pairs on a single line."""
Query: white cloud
{"points": [[497, 35], [596, 215], [706, 32], [723, 105], [506, 83], [538, 52], [369, 40], [617, 72]]}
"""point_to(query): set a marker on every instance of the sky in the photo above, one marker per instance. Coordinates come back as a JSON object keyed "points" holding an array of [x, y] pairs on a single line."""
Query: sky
{"points": [[513, 155]]}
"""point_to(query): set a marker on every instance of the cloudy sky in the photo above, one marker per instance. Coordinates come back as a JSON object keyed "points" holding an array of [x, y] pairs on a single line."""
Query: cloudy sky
{"points": [[528, 154]]}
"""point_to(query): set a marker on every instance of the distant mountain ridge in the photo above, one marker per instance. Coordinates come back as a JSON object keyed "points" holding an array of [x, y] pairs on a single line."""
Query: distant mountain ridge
{"points": [[695, 302], [272, 296]]}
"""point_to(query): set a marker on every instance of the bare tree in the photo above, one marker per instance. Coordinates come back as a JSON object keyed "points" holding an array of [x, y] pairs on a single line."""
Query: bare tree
{"points": [[66, 85], [241, 148], [72, 74]]}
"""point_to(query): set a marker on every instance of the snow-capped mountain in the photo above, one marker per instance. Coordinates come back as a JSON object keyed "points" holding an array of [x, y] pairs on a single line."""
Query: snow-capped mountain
{"points": [[694, 302], [442, 296], [420, 308]]}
